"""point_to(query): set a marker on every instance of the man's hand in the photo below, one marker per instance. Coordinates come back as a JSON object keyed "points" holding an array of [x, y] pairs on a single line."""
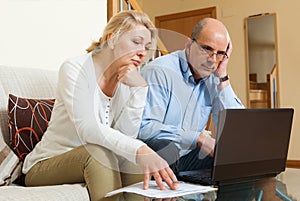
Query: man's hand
{"points": [[153, 165], [207, 144], [130, 76], [221, 71]]}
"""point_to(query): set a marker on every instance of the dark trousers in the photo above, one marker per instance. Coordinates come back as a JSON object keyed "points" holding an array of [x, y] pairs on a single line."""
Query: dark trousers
{"points": [[169, 151]]}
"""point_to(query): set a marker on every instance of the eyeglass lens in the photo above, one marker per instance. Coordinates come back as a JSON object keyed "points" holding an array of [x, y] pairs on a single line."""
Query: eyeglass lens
{"points": [[219, 55]]}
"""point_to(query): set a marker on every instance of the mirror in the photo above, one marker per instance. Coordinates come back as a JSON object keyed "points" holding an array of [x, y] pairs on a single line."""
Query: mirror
{"points": [[262, 61]]}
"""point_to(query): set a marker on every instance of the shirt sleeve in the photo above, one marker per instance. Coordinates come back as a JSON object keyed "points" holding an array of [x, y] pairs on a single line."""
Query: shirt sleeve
{"points": [[153, 125], [77, 90], [221, 99], [130, 117]]}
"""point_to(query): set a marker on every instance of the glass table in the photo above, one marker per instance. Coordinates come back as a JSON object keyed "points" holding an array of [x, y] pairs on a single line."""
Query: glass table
{"points": [[284, 187]]}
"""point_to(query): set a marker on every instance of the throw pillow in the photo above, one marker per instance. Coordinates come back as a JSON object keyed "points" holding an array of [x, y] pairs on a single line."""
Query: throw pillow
{"points": [[28, 120]]}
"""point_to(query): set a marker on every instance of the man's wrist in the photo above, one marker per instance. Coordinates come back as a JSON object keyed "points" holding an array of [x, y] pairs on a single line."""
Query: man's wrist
{"points": [[219, 80], [206, 132], [224, 78]]}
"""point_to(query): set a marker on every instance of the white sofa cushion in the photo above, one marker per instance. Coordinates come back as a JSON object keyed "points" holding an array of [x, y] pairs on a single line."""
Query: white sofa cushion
{"points": [[10, 165], [25, 82], [67, 192], [30, 83]]}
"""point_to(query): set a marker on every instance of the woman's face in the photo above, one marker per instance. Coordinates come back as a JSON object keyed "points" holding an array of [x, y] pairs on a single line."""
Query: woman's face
{"points": [[132, 47]]}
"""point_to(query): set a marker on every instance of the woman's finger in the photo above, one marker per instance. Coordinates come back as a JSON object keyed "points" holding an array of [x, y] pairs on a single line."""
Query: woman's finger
{"points": [[146, 181], [158, 180]]}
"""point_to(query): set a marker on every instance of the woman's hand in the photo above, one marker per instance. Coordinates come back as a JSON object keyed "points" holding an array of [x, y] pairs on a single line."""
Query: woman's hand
{"points": [[153, 165], [160, 199], [130, 76]]}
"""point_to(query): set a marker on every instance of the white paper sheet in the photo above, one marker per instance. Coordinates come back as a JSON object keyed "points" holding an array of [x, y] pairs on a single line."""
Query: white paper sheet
{"points": [[154, 192]]}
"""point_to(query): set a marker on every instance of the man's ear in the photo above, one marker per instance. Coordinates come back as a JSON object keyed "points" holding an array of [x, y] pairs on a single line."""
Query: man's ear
{"points": [[188, 43]]}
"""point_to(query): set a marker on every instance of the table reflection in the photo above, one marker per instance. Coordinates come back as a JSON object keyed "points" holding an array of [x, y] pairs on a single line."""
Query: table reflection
{"points": [[266, 189]]}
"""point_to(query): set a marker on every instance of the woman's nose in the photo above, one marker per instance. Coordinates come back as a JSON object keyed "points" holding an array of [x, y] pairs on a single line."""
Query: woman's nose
{"points": [[142, 52]]}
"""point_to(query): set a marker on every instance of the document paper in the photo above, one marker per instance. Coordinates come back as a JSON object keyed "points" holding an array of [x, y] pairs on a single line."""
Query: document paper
{"points": [[154, 192]]}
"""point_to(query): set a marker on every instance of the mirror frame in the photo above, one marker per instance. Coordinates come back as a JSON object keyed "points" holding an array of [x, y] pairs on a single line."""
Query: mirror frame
{"points": [[247, 57]]}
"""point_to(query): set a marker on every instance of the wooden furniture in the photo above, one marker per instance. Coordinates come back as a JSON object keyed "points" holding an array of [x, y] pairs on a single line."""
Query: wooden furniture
{"points": [[258, 98], [263, 94]]}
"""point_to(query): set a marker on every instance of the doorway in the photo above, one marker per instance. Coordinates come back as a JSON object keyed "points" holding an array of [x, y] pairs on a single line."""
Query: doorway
{"points": [[173, 29], [262, 61]]}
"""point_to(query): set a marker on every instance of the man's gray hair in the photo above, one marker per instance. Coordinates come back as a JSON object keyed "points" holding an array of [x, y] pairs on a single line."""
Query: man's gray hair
{"points": [[198, 28]]}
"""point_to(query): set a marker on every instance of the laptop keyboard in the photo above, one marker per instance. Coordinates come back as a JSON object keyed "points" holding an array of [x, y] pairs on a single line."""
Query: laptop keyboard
{"points": [[202, 177]]}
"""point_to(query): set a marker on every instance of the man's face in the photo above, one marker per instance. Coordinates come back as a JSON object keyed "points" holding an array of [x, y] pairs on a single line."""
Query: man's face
{"points": [[205, 53]]}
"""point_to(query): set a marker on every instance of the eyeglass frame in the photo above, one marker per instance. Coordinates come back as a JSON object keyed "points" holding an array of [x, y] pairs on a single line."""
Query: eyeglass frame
{"points": [[210, 52]]}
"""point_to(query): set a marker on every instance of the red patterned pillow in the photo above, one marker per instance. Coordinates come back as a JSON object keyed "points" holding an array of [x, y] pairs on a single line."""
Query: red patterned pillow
{"points": [[28, 120]]}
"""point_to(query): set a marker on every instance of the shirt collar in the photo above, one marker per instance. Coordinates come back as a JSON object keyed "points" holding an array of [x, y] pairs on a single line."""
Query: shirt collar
{"points": [[184, 67]]}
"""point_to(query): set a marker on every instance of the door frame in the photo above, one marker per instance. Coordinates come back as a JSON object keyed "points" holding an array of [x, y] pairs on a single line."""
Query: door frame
{"points": [[208, 12]]}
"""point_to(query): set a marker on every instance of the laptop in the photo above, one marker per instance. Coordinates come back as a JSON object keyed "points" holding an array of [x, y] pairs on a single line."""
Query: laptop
{"points": [[250, 144]]}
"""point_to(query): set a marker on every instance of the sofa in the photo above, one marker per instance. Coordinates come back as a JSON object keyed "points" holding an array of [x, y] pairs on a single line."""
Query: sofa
{"points": [[35, 88]]}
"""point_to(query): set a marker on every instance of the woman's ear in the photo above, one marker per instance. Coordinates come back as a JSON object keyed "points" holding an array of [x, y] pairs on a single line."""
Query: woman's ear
{"points": [[110, 40]]}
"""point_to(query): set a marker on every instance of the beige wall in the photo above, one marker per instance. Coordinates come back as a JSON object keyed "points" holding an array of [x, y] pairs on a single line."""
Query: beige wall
{"points": [[42, 34], [232, 14]]}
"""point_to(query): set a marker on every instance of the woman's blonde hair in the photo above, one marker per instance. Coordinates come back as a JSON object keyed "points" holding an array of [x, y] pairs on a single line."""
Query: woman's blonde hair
{"points": [[122, 22]]}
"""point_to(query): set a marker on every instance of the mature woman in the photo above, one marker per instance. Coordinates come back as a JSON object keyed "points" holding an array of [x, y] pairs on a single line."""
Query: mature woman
{"points": [[97, 114]]}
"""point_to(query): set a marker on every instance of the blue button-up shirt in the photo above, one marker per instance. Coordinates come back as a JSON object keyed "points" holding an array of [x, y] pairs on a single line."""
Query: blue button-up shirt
{"points": [[177, 107]]}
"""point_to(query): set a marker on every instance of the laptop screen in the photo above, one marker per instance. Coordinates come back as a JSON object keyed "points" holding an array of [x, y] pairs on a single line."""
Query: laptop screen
{"points": [[251, 142]]}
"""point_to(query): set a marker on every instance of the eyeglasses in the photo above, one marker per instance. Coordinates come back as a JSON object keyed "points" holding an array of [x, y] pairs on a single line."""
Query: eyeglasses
{"points": [[220, 55]]}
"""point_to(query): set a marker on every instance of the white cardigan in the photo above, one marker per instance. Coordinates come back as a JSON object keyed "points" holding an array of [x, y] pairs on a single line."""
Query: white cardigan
{"points": [[83, 114]]}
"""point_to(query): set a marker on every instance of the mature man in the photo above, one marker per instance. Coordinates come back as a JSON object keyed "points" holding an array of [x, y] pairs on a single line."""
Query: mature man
{"points": [[185, 87]]}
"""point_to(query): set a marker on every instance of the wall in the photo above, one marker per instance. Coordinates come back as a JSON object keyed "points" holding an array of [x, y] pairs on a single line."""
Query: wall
{"points": [[261, 47], [262, 59], [232, 13], [43, 33]]}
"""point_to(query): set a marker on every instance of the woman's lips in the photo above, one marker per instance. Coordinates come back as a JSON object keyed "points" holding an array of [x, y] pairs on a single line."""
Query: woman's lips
{"points": [[136, 62]]}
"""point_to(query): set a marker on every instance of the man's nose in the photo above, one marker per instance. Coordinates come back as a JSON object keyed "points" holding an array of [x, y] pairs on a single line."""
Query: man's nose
{"points": [[213, 57]]}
